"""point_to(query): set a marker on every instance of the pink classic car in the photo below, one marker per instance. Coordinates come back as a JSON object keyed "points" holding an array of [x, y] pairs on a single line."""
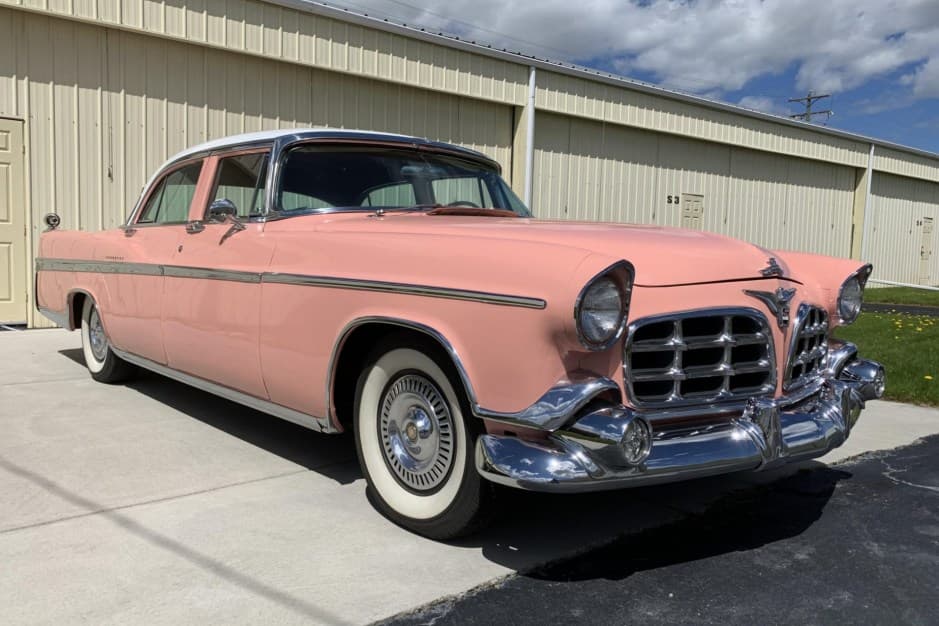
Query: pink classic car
{"points": [[397, 287]]}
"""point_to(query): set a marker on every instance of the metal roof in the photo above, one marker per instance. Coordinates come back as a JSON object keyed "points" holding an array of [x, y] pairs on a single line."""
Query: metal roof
{"points": [[321, 8]]}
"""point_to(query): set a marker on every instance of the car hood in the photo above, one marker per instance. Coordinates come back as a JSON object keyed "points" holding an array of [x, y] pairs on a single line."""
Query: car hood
{"points": [[662, 256]]}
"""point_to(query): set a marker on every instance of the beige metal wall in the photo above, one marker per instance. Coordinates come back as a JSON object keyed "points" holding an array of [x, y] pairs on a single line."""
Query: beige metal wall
{"points": [[896, 230], [595, 100], [590, 170], [906, 164], [104, 108], [275, 32], [324, 37]]}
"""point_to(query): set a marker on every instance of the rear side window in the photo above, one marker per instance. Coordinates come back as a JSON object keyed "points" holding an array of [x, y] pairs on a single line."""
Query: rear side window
{"points": [[170, 200], [241, 179]]}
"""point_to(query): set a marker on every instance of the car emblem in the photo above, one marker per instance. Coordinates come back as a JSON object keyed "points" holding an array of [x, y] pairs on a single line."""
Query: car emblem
{"points": [[777, 302], [772, 269]]}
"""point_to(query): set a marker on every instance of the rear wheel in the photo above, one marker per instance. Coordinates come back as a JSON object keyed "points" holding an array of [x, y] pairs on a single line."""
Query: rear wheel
{"points": [[104, 365], [415, 443]]}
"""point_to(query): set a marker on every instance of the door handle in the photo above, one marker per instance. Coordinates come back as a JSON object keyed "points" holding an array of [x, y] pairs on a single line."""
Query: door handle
{"points": [[194, 227]]}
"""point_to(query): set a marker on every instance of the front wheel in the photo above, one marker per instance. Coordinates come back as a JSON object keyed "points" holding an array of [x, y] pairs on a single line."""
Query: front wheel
{"points": [[415, 444], [102, 363]]}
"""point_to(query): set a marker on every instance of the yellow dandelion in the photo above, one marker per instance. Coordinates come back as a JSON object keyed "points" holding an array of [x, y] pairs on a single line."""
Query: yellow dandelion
{"points": [[927, 377]]}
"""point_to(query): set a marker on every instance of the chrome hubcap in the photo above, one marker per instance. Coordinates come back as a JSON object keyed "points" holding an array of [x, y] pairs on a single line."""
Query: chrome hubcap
{"points": [[416, 432], [99, 345]]}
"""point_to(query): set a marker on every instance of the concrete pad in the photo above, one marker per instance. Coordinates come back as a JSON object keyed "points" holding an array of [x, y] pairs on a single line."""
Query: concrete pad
{"points": [[884, 426], [158, 503]]}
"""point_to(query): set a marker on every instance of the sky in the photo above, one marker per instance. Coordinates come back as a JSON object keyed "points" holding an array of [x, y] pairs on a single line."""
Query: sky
{"points": [[879, 59]]}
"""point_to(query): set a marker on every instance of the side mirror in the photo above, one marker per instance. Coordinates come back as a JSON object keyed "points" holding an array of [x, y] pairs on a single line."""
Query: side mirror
{"points": [[221, 208]]}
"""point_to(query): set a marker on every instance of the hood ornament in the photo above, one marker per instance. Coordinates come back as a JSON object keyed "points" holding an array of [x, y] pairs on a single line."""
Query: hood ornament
{"points": [[776, 301], [772, 269]]}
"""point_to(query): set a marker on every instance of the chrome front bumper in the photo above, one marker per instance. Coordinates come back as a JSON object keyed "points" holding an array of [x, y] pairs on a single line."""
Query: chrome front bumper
{"points": [[587, 455]]}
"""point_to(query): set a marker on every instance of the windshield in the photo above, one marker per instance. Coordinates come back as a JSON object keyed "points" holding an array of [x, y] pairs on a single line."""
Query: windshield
{"points": [[369, 177]]}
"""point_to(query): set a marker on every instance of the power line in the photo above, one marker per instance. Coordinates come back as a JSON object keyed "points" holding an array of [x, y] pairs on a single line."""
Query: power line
{"points": [[809, 100]]}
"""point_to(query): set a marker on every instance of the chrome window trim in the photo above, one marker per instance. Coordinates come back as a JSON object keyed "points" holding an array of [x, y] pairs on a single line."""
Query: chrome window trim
{"points": [[147, 189], [242, 149], [284, 144], [712, 403], [278, 146], [801, 314], [625, 291], [329, 282]]}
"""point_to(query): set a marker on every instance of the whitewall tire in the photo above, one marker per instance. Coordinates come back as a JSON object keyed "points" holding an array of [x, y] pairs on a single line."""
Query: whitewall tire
{"points": [[415, 443], [104, 365]]}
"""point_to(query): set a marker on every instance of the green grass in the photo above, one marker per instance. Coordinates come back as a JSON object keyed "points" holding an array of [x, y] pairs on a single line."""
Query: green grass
{"points": [[908, 347], [901, 295]]}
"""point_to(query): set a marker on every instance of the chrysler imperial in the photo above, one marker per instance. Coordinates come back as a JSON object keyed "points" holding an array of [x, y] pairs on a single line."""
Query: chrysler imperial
{"points": [[397, 287]]}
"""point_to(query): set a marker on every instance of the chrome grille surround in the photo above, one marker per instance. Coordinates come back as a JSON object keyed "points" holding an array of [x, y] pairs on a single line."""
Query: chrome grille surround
{"points": [[703, 356], [808, 346]]}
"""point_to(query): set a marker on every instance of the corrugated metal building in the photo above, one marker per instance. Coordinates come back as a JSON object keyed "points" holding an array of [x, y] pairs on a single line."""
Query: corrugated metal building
{"points": [[95, 94]]}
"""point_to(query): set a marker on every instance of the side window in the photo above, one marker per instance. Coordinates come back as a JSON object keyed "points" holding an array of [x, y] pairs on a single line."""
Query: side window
{"points": [[241, 179], [468, 190], [170, 200], [399, 194], [292, 201]]}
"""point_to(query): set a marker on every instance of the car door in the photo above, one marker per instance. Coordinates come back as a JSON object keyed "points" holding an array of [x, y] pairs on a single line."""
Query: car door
{"points": [[211, 312], [132, 302]]}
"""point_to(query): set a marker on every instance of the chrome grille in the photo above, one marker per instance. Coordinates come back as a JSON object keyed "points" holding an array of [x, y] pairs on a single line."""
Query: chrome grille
{"points": [[698, 357], [809, 346]]}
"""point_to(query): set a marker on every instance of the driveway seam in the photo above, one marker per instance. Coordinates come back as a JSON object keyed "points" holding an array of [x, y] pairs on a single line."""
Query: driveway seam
{"points": [[54, 488], [40, 382]]}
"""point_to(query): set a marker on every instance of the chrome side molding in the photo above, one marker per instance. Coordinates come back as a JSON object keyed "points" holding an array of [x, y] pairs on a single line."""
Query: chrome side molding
{"points": [[265, 406], [175, 271]]}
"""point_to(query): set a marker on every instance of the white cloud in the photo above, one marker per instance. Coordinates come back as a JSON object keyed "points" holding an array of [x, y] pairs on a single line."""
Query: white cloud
{"points": [[765, 104], [704, 45], [925, 80]]}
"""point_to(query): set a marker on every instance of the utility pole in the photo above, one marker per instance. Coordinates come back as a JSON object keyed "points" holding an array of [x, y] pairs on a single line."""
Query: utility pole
{"points": [[808, 100]]}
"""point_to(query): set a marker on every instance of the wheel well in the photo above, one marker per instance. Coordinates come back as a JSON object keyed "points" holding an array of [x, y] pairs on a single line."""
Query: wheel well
{"points": [[357, 348], [75, 303]]}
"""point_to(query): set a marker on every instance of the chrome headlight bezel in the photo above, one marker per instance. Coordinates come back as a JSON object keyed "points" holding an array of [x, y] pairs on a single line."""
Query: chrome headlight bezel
{"points": [[621, 274], [848, 312]]}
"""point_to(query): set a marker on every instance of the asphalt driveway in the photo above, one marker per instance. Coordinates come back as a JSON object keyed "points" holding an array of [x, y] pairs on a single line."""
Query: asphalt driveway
{"points": [[853, 543], [157, 503]]}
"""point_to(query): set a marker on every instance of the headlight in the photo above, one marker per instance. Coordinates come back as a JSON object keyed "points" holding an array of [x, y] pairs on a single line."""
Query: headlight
{"points": [[600, 312], [851, 295]]}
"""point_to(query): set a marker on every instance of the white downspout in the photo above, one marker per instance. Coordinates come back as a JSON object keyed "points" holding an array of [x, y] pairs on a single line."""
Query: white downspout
{"points": [[530, 138], [867, 205]]}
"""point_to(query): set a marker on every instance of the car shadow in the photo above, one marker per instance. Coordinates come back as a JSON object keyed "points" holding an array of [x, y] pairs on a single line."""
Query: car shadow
{"points": [[551, 537], [547, 535], [332, 456]]}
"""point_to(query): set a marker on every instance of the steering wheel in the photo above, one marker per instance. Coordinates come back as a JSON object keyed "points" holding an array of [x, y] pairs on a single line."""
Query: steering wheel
{"points": [[464, 203]]}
